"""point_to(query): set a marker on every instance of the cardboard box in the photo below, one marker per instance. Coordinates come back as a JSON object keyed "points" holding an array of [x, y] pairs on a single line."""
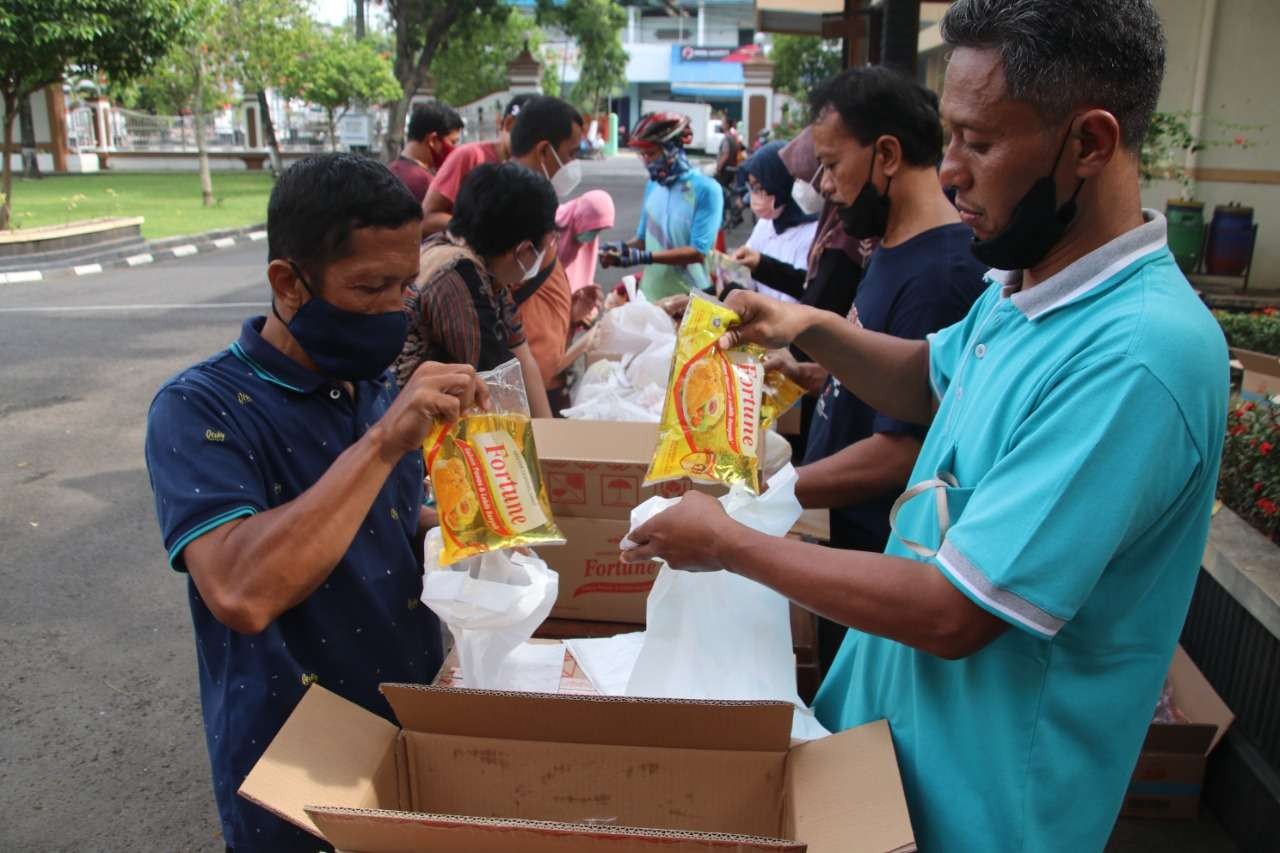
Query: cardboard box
{"points": [[594, 582], [485, 772], [594, 469], [1261, 372], [1170, 772]]}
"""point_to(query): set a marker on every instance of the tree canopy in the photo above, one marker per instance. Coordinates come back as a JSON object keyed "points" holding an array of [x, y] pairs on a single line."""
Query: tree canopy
{"points": [[41, 39], [800, 63]]}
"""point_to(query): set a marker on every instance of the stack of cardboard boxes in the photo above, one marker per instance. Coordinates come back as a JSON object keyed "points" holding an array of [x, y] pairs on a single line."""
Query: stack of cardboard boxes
{"points": [[594, 471]]}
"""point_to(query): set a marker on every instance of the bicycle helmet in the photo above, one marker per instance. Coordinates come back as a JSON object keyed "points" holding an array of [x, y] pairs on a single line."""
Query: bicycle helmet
{"points": [[659, 129]]}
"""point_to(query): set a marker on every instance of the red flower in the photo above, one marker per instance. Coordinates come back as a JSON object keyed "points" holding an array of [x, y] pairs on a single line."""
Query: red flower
{"points": [[1267, 506], [1269, 311], [1237, 429], [1257, 487], [1248, 407], [1265, 448]]}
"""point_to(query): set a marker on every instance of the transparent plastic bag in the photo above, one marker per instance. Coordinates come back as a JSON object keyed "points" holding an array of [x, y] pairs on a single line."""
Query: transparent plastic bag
{"points": [[485, 475]]}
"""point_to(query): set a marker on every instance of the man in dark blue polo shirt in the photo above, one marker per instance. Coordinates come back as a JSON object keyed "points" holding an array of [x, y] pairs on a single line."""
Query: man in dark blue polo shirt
{"points": [[288, 483], [878, 137]]}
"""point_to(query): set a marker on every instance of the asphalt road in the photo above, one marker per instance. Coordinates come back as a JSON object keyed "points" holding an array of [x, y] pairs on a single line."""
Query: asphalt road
{"points": [[102, 746]]}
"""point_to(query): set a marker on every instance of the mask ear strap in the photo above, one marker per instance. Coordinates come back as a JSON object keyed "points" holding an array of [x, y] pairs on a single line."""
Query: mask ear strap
{"points": [[297, 273]]}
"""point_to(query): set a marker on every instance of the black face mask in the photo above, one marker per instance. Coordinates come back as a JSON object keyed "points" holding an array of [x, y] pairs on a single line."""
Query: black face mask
{"points": [[1035, 227], [868, 214]]}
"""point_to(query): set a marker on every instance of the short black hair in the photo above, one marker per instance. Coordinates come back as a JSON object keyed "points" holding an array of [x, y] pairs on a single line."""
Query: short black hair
{"points": [[434, 117], [517, 103], [1061, 54], [875, 101], [543, 119], [500, 205], [320, 200]]}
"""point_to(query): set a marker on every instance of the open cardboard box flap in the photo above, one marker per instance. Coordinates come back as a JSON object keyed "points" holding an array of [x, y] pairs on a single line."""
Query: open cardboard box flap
{"points": [[667, 723], [349, 776], [329, 751], [1209, 716]]}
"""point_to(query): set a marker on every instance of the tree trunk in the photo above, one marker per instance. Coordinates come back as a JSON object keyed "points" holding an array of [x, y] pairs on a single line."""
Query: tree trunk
{"points": [[206, 180], [333, 131], [412, 70], [359, 19], [6, 182], [27, 128], [269, 131]]}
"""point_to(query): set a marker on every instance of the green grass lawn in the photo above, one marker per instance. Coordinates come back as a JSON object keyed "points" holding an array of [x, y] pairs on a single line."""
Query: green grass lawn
{"points": [[169, 201]]}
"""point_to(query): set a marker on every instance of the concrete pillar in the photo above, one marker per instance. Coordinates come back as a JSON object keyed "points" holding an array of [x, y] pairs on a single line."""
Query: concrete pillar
{"points": [[702, 23], [631, 24], [757, 97], [101, 129]]}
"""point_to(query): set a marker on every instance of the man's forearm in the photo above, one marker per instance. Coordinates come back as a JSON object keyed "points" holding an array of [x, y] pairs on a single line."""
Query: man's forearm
{"points": [[889, 374], [436, 213], [871, 469], [252, 571], [904, 600], [535, 390], [681, 257]]}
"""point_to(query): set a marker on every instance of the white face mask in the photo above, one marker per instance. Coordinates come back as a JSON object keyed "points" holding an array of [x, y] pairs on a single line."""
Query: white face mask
{"points": [[530, 272], [807, 198], [566, 178]]}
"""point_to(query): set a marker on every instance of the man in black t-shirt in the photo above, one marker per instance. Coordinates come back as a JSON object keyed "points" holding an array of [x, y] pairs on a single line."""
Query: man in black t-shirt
{"points": [[878, 137]]}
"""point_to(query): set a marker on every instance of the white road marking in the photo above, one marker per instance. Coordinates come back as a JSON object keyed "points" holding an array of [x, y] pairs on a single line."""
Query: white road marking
{"points": [[137, 260], [88, 269], [57, 309], [224, 242], [255, 236], [23, 275], [183, 251]]}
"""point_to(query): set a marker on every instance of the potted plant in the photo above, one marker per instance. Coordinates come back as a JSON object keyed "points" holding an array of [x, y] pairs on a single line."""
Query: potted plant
{"points": [[1164, 157]]}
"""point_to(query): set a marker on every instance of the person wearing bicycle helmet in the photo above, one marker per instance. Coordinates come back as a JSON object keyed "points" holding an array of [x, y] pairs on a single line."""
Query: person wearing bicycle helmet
{"points": [[680, 216]]}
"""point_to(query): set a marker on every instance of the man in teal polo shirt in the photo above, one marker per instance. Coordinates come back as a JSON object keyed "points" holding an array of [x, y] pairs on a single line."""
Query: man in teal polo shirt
{"points": [[1018, 628]]}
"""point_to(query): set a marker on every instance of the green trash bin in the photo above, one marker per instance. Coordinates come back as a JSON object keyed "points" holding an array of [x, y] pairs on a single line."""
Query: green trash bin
{"points": [[1186, 232]]}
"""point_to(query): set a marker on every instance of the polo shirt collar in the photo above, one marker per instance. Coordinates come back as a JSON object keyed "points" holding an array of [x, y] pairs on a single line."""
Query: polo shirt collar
{"points": [[1085, 274], [269, 363]]}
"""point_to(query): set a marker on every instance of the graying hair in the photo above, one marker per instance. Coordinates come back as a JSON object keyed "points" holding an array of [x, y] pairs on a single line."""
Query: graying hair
{"points": [[1059, 55]]}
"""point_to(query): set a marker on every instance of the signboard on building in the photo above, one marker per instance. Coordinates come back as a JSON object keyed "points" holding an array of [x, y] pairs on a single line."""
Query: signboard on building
{"points": [[689, 53]]}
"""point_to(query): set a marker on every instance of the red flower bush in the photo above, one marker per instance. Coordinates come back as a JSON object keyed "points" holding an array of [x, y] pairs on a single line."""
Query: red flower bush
{"points": [[1250, 479]]}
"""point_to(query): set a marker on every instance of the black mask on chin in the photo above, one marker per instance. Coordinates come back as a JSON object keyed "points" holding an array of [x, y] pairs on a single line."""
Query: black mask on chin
{"points": [[868, 214], [1036, 226]]}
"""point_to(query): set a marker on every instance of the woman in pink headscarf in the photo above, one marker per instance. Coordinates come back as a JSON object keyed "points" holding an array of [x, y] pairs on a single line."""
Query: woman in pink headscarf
{"points": [[580, 222]]}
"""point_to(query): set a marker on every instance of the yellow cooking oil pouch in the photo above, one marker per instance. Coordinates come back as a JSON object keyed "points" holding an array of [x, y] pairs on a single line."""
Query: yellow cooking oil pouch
{"points": [[484, 471], [780, 394], [711, 427]]}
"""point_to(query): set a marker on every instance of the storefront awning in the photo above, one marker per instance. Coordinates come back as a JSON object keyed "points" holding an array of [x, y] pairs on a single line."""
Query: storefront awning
{"points": [[719, 93]]}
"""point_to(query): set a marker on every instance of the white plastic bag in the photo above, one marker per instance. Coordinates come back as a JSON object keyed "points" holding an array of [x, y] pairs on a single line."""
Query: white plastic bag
{"points": [[631, 328], [653, 365], [492, 603], [611, 404], [718, 635]]}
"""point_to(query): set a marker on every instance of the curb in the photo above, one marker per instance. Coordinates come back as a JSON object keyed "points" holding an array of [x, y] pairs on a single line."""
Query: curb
{"points": [[164, 249]]}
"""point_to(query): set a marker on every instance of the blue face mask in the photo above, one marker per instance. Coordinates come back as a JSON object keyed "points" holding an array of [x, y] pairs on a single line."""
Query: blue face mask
{"points": [[670, 166], [343, 344]]}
